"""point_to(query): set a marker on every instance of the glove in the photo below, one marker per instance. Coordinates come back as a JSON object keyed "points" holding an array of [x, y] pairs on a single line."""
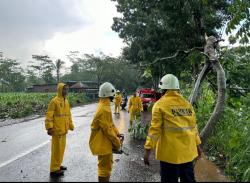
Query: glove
{"points": [[146, 157], [50, 132], [121, 137]]}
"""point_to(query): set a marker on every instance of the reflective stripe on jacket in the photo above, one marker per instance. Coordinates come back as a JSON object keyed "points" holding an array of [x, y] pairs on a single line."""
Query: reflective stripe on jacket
{"points": [[173, 130], [58, 116]]}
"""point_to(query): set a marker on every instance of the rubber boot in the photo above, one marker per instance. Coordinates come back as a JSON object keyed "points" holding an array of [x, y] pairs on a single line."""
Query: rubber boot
{"points": [[103, 179], [57, 173], [63, 168]]}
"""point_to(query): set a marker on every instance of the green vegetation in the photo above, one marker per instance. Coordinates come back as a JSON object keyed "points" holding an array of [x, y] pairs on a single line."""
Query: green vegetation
{"points": [[239, 21], [156, 30], [139, 130], [17, 105], [85, 67], [229, 142]]}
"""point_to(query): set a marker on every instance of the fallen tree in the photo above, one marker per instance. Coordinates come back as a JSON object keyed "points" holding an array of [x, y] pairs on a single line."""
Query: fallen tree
{"points": [[212, 63]]}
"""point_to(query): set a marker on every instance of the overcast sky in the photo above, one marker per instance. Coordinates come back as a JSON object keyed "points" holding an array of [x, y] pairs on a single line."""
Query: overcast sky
{"points": [[55, 27]]}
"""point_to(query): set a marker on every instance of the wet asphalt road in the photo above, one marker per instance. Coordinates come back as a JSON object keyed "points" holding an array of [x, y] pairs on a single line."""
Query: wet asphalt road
{"points": [[25, 153]]}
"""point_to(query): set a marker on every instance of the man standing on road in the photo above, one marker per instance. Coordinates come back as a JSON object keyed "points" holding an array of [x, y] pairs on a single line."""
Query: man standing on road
{"points": [[104, 135], [134, 108], [58, 122], [118, 101], [124, 100], [174, 133]]}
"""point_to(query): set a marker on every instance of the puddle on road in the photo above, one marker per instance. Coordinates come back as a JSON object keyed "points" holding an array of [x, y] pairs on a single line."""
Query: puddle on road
{"points": [[122, 123], [86, 115], [82, 116], [206, 171]]}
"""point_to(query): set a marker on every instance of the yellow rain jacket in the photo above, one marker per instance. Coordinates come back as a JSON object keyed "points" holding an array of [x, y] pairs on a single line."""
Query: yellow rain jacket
{"points": [[135, 104], [118, 99], [173, 130], [58, 116], [104, 134]]}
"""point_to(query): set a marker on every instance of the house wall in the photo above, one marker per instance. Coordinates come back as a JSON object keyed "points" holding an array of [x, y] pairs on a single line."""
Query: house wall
{"points": [[44, 89]]}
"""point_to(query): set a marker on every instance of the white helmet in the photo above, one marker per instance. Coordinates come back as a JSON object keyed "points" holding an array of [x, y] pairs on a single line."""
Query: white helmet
{"points": [[118, 91], [106, 90], [170, 82]]}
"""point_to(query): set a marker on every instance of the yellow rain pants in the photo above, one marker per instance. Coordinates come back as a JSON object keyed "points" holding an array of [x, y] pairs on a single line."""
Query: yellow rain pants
{"points": [[105, 164], [59, 120], [135, 107], [57, 152]]}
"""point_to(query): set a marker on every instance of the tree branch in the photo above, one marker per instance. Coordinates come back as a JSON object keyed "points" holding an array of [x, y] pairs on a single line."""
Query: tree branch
{"points": [[220, 103], [214, 87], [245, 89], [194, 95], [175, 55]]}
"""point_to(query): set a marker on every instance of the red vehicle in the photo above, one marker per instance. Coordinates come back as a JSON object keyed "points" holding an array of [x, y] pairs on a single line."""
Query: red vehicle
{"points": [[148, 96]]}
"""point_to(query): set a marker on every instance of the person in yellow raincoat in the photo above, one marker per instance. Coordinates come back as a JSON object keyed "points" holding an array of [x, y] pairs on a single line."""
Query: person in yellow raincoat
{"points": [[173, 133], [134, 107], [104, 136], [58, 121], [118, 101]]}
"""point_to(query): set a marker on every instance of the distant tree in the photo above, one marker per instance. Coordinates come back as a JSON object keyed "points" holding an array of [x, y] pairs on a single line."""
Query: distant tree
{"points": [[32, 78], [73, 57], [122, 74], [11, 75], [45, 68], [103, 68], [96, 64], [58, 66], [79, 71]]}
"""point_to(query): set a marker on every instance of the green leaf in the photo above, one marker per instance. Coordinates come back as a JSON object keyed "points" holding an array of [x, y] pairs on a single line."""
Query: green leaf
{"points": [[246, 176], [147, 73]]}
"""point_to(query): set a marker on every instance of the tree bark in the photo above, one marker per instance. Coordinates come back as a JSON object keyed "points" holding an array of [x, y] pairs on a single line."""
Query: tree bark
{"points": [[212, 60], [210, 52], [57, 76], [194, 95], [220, 105]]}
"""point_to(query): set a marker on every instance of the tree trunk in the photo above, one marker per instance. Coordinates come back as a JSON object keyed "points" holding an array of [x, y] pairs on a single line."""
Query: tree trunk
{"points": [[220, 105], [212, 60], [210, 52], [58, 76], [194, 95]]}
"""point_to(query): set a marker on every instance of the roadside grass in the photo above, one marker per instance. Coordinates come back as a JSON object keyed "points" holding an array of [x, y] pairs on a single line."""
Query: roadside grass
{"points": [[18, 105], [229, 144]]}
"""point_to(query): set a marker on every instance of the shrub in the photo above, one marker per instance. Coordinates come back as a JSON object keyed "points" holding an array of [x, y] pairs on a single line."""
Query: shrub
{"points": [[139, 131], [17, 105], [229, 142]]}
